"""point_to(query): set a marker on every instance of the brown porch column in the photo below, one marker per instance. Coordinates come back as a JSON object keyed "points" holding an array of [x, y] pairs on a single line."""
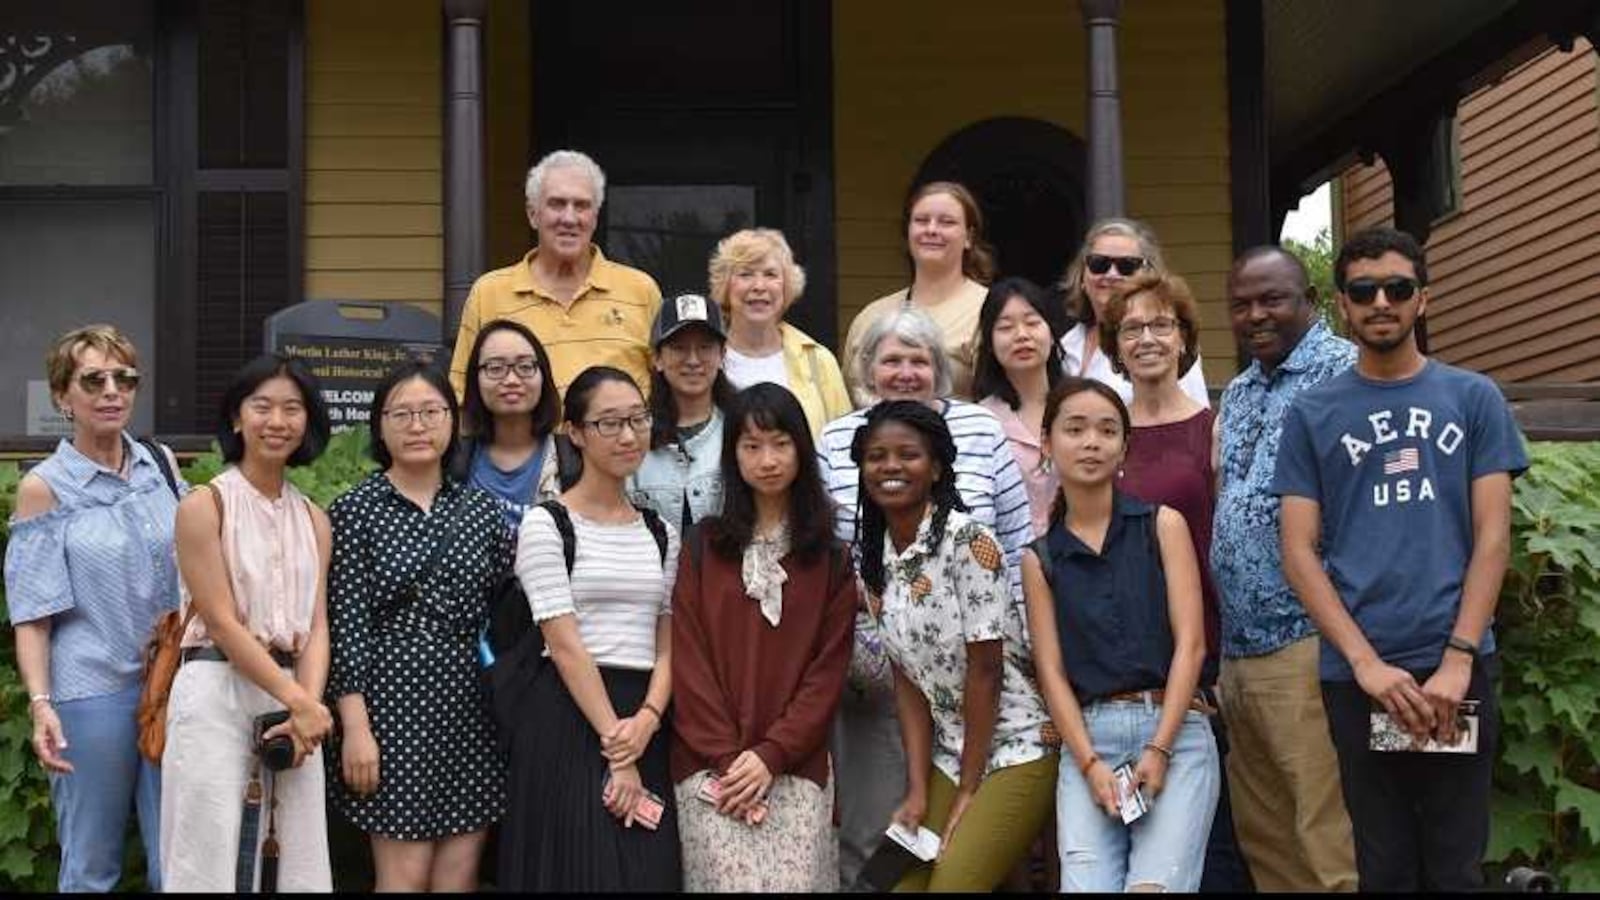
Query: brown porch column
{"points": [[1105, 109], [464, 239]]}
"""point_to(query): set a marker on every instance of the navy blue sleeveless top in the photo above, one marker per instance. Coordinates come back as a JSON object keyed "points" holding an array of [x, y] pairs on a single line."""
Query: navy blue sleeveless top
{"points": [[1111, 606]]}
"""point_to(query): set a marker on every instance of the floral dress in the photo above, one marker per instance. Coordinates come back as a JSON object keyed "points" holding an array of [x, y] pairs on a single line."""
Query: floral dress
{"points": [[938, 599]]}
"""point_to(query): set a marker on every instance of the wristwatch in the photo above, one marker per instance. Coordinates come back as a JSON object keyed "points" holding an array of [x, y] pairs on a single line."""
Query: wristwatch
{"points": [[1462, 644]]}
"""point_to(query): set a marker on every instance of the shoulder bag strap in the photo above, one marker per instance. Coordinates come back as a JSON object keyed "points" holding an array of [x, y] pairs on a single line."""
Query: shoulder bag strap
{"points": [[216, 498], [569, 538], [162, 463]]}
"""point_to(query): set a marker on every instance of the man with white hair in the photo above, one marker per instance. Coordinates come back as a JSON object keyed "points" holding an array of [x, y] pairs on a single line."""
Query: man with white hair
{"points": [[586, 309]]}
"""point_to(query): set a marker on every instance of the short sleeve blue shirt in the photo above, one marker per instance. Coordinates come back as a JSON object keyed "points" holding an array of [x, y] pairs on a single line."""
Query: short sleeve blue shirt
{"points": [[1260, 613], [100, 566], [1391, 463]]}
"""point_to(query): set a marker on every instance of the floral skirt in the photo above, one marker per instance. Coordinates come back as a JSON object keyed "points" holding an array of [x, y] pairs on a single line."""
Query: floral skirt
{"points": [[794, 849]]}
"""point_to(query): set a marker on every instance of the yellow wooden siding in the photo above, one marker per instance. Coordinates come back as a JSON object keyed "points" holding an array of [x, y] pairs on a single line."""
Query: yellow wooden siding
{"points": [[373, 153], [508, 108], [908, 75], [1516, 272]]}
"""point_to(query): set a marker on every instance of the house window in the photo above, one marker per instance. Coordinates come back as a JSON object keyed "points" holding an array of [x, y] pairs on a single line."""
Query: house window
{"points": [[150, 178], [1446, 174]]}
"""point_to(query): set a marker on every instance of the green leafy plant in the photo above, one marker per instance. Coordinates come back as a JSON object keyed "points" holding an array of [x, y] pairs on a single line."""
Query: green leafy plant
{"points": [[1318, 258], [1547, 782]]}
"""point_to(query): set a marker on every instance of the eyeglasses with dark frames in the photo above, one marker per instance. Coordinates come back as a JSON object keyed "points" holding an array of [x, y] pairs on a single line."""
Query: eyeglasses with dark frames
{"points": [[1161, 327], [611, 426], [496, 369]]}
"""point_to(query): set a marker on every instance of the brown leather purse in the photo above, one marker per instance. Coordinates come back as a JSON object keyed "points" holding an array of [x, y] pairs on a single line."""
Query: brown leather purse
{"points": [[161, 657]]}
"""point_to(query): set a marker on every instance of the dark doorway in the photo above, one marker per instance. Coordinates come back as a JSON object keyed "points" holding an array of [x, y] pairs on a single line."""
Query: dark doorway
{"points": [[1028, 177], [707, 118]]}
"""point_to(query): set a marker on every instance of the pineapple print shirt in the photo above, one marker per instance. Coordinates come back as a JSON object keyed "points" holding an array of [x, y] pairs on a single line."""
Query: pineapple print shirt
{"points": [[936, 601]]}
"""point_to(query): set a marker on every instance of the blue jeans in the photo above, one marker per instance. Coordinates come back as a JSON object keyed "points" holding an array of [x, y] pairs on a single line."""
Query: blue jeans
{"points": [[1166, 846], [92, 801]]}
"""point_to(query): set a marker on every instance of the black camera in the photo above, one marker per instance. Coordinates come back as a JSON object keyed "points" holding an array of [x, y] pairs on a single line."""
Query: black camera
{"points": [[1525, 880], [277, 753]]}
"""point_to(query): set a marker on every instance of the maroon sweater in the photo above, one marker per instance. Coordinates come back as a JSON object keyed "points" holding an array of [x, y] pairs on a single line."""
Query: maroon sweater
{"points": [[740, 684]]}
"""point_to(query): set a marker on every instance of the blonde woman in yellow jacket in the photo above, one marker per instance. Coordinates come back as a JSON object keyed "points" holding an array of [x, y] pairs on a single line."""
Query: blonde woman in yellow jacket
{"points": [[755, 280]]}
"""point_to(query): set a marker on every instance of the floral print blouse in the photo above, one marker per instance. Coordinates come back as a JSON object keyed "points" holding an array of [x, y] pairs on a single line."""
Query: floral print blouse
{"points": [[936, 600]]}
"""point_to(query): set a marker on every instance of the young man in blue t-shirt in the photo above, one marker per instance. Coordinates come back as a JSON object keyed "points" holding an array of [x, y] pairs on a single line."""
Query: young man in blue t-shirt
{"points": [[1395, 478]]}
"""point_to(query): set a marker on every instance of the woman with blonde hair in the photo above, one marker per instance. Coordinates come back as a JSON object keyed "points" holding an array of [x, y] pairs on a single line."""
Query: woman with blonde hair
{"points": [[1113, 251], [951, 266], [755, 280], [89, 568]]}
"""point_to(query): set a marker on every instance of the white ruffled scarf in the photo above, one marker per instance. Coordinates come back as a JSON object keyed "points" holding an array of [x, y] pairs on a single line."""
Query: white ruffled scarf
{"points": [[763, 573]]}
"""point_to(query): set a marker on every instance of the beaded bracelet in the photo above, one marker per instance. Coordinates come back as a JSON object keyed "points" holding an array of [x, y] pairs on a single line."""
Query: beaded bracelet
{"points": [[1159, 749], [650, 706]]}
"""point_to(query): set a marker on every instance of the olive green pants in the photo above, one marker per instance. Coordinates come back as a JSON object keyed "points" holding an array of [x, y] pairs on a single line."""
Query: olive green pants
{"points": [[1005, 816]]}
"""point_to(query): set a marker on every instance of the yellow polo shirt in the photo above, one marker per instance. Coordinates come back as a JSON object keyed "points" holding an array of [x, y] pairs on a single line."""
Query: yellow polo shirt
{"points": [[607, 323]]}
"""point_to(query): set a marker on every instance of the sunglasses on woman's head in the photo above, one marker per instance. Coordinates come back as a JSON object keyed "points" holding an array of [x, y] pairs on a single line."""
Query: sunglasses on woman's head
{"points": [[91, 380], [1099, 264], [1364, 291]]}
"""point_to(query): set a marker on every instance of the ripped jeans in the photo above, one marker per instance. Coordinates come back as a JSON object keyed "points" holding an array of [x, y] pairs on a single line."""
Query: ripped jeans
{"points": [[1166, 847]]}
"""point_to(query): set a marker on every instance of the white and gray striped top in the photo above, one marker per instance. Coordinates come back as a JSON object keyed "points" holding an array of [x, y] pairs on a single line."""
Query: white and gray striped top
{"points": [[986, 476], [618, 587]]}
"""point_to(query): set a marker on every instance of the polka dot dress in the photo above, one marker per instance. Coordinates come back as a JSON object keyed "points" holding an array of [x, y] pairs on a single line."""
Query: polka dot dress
{"points": [[412, 654]]}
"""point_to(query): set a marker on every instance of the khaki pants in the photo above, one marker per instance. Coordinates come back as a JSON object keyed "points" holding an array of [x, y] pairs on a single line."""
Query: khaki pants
{"points": [[1283, 774], [1005, 816]]}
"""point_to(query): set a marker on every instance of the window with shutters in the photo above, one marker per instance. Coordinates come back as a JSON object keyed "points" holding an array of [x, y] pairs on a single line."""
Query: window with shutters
{"points": [[150, 177]]}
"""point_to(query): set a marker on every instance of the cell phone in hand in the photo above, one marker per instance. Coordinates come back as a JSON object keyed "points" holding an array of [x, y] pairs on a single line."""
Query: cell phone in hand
{"points": [[1131, 802]]}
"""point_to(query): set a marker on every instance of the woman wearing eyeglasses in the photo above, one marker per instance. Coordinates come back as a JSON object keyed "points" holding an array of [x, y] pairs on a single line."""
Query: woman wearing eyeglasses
{"points": [[591, 798], [508, 419], [1113, 251], [681, 476], [89, 567], [415, 556], [1150, 331]]}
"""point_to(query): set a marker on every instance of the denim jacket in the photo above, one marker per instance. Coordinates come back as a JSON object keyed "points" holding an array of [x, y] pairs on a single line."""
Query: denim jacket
{"points": [[695, 467]]}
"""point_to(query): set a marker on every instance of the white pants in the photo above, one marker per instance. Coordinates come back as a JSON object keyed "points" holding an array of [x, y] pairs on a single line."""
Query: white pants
{"points": [[207, 765]]}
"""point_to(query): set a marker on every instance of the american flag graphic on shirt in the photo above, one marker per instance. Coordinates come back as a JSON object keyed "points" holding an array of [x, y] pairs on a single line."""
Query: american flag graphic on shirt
{"points": [[1397, 461]]}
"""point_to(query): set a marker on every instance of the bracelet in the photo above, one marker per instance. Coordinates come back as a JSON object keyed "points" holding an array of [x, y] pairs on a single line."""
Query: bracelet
{"points": [[35, 698], [650, 706], [1152, 745], [1088, 764]]}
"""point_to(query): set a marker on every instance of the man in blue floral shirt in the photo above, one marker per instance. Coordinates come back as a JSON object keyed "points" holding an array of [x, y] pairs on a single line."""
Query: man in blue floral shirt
{"points": [[1283, 774]]}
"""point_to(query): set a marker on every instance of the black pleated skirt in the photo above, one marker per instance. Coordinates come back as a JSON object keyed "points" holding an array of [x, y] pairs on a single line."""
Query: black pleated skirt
{"points": [[557, 835]]}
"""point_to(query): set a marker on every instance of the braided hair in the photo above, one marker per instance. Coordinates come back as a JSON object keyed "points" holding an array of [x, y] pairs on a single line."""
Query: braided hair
{"points": [[941, 446]]}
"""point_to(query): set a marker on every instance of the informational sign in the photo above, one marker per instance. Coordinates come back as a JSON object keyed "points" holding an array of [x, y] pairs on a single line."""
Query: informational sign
{"points": [[44, 420], [350, 347]]}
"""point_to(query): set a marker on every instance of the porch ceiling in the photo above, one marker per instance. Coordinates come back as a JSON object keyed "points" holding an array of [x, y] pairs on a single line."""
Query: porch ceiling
{"points": [[1326, 58]]}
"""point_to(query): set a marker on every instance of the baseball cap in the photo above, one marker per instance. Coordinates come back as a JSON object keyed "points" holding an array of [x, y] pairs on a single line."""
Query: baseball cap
{"points": [[686, 311]]}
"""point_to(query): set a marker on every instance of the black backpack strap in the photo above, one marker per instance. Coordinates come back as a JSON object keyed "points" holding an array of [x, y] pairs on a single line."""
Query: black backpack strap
{"points": [[461, 462], [1041, 548], [658, 530], [569, 540], [164, 464]]}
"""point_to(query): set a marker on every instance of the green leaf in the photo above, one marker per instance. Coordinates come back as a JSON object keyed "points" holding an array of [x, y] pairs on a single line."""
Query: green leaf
{"points": [[1585, 801], [1539, 754], [1581, 874], [1517, 824]]}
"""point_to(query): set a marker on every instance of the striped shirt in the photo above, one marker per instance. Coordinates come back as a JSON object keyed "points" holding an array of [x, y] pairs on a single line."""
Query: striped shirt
{"points": [[618, 588], [99, 566], [987, 478]]}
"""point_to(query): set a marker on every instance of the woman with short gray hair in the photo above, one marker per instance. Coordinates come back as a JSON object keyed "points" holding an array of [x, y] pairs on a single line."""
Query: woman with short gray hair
{"points": [[903, 358]]}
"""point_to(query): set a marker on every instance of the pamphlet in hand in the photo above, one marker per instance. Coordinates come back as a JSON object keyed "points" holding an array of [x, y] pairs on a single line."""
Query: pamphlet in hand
{"points": [[923, 844], [1389, 736], [1130, 796], [647, 809]]}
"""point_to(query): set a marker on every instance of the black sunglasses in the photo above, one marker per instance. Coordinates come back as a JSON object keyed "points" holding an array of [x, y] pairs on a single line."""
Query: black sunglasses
{"points": [[1363, 291], [1099, 264]]}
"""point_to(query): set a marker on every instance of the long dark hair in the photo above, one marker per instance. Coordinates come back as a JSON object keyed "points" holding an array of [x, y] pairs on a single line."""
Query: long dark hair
{"points": [[770, 407], [1072, 385], [476, 420], [664, 406], [988, 376], [869, 517]]}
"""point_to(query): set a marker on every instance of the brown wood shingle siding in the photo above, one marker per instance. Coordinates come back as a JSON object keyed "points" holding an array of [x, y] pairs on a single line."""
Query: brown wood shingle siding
{"points": [[1516, 272]]}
